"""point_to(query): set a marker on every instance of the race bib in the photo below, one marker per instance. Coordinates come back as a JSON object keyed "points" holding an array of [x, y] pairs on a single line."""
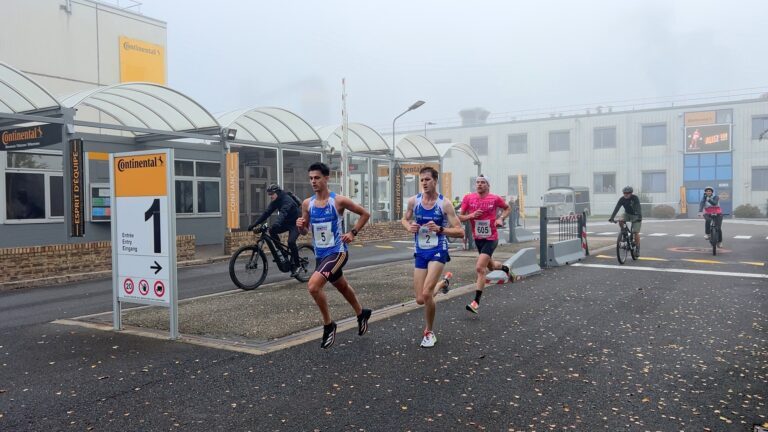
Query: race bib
{"points": [[482, 228], [322, 234], [427, 239]]}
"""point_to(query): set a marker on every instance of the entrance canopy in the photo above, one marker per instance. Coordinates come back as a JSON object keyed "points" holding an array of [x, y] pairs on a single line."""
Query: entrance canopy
{"points": [[270, 125], [463, 148], [362, 138], [416, 147], [146, 108], [20, 95]]}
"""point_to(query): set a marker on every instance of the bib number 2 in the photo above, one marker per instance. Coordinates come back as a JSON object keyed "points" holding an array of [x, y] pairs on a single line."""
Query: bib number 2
{"points": [[427, 239]]}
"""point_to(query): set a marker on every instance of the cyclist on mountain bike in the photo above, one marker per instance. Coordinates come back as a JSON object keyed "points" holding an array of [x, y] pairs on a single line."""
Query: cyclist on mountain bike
{"points": [[710, 206], [288, 210], [632, 213]]}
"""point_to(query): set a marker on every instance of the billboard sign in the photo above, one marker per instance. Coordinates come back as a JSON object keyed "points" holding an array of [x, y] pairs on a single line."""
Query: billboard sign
{"points": [[708, 138], [29, 137], [141, 61]]}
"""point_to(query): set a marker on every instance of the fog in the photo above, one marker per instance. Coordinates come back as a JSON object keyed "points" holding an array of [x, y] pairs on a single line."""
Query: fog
{"points": [[503, 56]]}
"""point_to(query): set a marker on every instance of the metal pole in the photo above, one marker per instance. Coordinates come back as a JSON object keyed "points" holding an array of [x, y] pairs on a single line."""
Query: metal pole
{"points": [[542, 237]]}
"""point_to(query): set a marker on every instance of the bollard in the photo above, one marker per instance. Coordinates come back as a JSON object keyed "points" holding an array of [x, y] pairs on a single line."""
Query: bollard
{"points": [[543, 237], [512, 227]]}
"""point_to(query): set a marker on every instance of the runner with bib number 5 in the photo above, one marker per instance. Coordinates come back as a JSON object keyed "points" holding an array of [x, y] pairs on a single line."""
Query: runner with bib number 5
{"points": [[480, 209]]}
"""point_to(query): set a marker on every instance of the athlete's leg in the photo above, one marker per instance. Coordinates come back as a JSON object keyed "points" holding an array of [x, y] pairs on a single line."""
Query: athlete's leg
{"points": [[419, 275], [315, 287], [346, 290], [483, 261], [434, 270]]}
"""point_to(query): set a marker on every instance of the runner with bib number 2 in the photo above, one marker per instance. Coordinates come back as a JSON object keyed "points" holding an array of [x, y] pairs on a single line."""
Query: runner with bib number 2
{"points": [[480, 208]]}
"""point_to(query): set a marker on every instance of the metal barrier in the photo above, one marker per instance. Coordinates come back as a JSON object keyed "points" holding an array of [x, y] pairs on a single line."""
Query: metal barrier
{"points": [[571, 232]]}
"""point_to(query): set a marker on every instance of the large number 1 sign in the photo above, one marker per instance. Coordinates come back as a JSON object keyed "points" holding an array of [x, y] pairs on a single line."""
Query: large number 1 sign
{"points": [[144, 231]]}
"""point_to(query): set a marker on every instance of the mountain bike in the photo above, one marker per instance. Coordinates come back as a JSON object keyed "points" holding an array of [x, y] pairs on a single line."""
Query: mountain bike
{"points": [[248, 265], [625, 243], [715, 234]]}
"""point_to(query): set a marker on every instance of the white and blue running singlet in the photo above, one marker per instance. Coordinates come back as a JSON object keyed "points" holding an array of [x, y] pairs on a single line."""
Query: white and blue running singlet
{"points": [[426, 240], [326, 226]]}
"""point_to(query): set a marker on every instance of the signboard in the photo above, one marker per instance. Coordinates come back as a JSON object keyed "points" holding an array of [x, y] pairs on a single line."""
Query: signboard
{"points": [[446, 185], [101, 202], [520, 195], [398, 193], [144, 231], [233, 190], [141, 61], [29, 137], [77, 195], [700, 118], [708, 139]]}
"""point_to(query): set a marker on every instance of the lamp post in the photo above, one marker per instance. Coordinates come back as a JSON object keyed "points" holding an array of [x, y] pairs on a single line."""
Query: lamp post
{"points": [[395, 198], [425, 127], [415, 105]]}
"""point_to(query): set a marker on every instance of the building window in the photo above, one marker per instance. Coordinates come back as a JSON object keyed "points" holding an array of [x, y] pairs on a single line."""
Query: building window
{"points": [[517, 143], [654, 181], [559, 180], [605, 183], [198, 187], [605, 137], [480, 145], [654, 135], [759, 127], [512, 185], [559, 141], [760, 178], [34, 187]]}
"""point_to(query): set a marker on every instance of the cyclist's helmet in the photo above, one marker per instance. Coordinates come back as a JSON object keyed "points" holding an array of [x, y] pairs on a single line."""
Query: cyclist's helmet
{"points": [[273, 188], [709, 188], [627, 189]]}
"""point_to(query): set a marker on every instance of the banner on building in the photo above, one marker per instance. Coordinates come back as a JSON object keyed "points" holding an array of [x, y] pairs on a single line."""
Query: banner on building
{"points": [[708, 139], [29, 137], [446, 185], [520, 195], [77, 193], [233, 190], [700, 118], [141, 61]]}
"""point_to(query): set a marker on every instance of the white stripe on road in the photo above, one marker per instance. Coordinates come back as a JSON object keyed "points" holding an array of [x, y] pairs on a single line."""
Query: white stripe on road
{"points": [[685, 235], [657, 235], [742, 237], [668, 270], [607, 233]]}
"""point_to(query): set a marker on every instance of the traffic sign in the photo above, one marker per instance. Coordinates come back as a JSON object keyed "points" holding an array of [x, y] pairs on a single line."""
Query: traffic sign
{"points": [[144, 231]]}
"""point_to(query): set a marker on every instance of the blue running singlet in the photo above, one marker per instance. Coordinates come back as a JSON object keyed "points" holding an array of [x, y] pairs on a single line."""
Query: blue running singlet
{"points": [[429, 241], [327, 226]]}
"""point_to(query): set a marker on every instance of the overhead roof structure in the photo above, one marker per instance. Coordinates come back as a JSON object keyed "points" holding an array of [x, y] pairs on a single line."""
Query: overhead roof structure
{"points": [[361, 138], [270, 125], [147, 106], [20, 94], [416, 147], [463, 148]]}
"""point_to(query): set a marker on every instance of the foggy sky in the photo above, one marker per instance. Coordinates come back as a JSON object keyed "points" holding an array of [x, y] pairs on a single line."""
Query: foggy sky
{"points": [[503, 56]]}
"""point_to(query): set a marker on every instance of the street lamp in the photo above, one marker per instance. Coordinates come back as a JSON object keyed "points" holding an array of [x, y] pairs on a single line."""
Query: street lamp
{"points": [[415, 105], [425, 127]]}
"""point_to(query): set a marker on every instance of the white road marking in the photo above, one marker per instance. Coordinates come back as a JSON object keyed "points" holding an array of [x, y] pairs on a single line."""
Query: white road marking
{"points": [[668, 270], [742, 237], [608, 233], [657, 235], [685, 235]]}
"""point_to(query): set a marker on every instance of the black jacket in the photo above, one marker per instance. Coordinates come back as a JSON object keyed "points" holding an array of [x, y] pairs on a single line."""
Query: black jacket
{"points": [[287, 207], [631, 207]]}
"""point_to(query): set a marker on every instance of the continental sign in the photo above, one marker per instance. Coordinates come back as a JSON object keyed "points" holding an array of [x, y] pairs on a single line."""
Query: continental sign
{"points": [[141, 61], [700, 118], [233, 190], [140, 175], [29, 137], [77, 229], [707, 139]]}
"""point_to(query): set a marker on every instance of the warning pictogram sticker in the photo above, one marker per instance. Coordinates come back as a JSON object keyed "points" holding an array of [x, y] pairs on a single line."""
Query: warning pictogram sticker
{"points": [[128, 285], [159, 289], [144, 287]]}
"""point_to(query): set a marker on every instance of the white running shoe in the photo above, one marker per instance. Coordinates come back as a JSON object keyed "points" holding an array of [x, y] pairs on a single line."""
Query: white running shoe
{"points": [[429, 340], [706, 236]]}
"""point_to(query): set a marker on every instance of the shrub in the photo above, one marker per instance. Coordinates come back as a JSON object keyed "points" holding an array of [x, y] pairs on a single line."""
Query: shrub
{"points": [[747, 211], [663, 211]]}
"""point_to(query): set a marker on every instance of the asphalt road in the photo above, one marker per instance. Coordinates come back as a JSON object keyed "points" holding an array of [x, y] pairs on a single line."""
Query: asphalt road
{"points": [[592, 347]]}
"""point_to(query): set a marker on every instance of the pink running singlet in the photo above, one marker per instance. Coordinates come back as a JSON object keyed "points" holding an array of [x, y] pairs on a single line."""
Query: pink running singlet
{"points": [[484, 227]]}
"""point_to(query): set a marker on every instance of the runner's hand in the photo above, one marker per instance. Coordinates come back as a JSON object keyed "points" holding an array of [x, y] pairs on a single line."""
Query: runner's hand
{"points": [[433, 226], [499, 223], [413, 228], [301, 223], [476, 214], [348, 237]]}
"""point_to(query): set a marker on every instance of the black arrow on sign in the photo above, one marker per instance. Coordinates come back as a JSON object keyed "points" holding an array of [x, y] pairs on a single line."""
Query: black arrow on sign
{"points": [[156, 267]]}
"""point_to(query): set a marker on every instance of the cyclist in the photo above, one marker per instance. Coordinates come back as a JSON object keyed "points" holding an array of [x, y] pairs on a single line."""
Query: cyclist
{"points": [[480, 209], [288, 212], [710, 205], [632, 213], [323, 213], [430, 218]]}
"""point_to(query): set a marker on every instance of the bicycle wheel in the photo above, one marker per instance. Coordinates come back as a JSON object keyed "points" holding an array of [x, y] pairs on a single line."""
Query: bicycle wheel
{"points": [[306, 263], [714, 236], [248, 267], [621, 248], [632, 250]]}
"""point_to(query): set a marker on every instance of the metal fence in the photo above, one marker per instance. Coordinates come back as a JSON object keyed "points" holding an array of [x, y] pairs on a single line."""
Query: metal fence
{"points": [[568, 228]]}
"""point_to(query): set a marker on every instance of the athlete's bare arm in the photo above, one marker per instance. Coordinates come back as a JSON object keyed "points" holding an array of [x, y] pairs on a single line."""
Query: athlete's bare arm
{"points": [[455, 230], [504, 214], [302, 223], [410, 225], [347, 204]]}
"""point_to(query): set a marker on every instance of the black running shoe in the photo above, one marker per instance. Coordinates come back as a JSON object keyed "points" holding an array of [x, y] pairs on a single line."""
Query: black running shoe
{"points": [[362, 321], [329, 335]]}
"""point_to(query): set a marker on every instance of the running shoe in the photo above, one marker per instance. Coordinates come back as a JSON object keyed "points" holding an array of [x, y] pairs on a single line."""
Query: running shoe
{"points": [[429, 340], [510, 275], [362, 321], [329, 335], [473, 307], [446, 282], [706, 236], [720, 245]]}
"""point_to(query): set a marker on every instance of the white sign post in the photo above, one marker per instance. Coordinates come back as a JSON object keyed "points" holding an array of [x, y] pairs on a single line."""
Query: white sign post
{"points": [[144, 232]]}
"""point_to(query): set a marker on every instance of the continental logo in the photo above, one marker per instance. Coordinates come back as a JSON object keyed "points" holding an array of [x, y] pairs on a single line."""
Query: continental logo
{"points": [[153, 162], [129, 46], [10, 137]]}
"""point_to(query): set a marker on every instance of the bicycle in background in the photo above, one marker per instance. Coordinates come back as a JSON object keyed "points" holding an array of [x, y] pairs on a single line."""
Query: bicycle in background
{"points": [[625, 243]]}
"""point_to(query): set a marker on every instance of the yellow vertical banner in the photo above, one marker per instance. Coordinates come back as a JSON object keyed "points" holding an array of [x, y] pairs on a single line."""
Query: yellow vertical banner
{"points": [[520, 195], [446, 182], [233, 190], [683, 201]]}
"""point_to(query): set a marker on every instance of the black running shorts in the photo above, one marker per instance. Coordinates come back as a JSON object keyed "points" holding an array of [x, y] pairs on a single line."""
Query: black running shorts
{"points": [[486, 246], [331, 266]]}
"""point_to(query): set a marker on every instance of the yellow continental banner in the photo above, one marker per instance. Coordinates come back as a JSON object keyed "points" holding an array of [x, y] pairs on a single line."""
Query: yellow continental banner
{"points": [[700, 118], [142, 175], [446, 184], [233, 190], [141, 61], [520, 195]]}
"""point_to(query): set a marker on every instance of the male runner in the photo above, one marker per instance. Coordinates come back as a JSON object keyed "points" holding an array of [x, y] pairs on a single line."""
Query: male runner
{"points": [[323, 214], [433, 214], [480, 209]]}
